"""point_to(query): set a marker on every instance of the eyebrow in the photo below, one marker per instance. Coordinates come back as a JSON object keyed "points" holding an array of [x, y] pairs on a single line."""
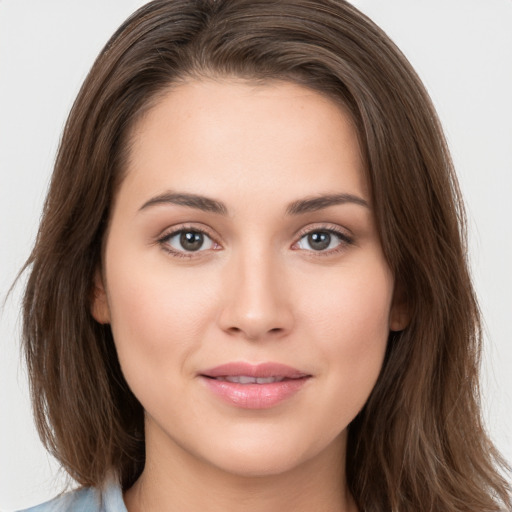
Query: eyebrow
{"points": [[206, 204], [313, 204], [191, 200]]}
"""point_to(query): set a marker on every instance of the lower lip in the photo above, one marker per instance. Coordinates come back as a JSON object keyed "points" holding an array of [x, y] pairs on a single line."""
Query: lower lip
{"points": [[255, 396]]}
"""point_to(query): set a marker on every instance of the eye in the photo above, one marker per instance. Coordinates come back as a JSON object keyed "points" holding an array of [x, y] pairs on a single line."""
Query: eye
{"points": [[186, 241], [323, 240]]}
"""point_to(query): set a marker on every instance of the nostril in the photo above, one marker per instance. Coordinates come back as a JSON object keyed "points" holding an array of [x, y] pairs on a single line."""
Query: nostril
{"points": [[255, 320]]}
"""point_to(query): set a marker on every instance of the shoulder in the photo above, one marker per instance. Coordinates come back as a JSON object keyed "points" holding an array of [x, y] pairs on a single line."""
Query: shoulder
{"points": [[81, 500], [89, 499]]}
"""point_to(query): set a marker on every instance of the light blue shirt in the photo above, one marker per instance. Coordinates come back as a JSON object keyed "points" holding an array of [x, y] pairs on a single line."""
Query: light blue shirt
{"points": [[90, 499]]}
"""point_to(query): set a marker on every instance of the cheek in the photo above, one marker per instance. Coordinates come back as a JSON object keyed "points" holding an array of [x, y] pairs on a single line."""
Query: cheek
{"points": [[157, 316], [351, 307], [349, 322]]}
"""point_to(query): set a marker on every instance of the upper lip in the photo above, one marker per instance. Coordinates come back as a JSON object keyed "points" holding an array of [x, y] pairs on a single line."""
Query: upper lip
{"points": [[254, 370]]}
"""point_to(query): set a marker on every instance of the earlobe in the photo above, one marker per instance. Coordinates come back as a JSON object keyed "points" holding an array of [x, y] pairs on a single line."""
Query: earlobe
{"points": [[99, 304], [399, 316], [399, 320]]}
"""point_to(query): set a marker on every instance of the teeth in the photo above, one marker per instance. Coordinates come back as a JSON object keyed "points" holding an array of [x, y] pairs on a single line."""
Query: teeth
{"points": [[245, 379], [268, 380]]}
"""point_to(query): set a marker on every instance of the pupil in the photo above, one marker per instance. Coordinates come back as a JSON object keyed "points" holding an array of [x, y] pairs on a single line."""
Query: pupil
{"points": [[191, 240], [319, 241]]}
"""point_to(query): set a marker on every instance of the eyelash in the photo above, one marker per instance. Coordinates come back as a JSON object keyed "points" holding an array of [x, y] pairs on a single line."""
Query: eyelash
{"points": [[163, 241], [344, 240]]}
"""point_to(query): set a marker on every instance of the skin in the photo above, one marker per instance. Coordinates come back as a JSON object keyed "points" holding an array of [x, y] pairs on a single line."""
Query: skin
{"points": [[256, 291]]}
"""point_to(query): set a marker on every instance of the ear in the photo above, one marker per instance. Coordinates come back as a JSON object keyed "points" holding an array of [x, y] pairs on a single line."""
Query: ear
{"points": [[399, 315], [99, 304]]}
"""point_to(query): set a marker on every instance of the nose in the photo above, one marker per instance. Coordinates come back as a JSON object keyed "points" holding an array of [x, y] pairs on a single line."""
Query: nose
{"points": [[258, 304]]}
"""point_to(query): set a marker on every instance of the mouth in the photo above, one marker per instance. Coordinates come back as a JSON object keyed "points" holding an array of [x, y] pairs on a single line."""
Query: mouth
{"points": [[249, 386], [246, 379]]}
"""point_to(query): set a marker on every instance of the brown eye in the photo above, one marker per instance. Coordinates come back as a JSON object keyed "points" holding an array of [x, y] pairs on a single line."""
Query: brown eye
{"points": [[324, 240], [191, 240], [319, 241], [188, 240]]}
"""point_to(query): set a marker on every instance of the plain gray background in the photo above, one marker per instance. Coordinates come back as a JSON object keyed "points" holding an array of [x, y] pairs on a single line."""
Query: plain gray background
{"points": [[462, 50]]}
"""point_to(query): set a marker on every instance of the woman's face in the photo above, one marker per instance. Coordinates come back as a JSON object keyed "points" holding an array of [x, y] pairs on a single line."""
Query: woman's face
{"points": [[249, 298]]}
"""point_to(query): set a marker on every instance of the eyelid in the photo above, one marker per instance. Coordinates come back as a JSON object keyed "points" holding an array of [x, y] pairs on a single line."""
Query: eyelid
{"points": [[343, 235], [175, 230], [345, 238]]}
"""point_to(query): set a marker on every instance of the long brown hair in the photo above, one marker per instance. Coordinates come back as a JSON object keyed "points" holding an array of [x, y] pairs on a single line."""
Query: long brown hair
{"points": [[418, 444]]}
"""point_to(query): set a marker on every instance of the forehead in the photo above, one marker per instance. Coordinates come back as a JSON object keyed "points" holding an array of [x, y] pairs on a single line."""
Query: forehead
{"points": [[217, 136]]}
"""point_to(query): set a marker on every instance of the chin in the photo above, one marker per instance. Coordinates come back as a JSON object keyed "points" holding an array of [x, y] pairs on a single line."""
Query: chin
{"points": [[260, 465], [271, 458]]}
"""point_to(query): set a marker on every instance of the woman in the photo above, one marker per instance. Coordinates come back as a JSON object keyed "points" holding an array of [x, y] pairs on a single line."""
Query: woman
{"points": [[249, 287]]}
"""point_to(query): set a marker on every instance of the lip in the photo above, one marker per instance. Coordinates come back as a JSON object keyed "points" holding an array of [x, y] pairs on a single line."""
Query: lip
{"points": [[254, 396]]}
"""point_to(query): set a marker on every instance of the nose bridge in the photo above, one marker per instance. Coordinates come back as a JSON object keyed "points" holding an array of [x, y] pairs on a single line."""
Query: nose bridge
{"points": [[258, 302]]}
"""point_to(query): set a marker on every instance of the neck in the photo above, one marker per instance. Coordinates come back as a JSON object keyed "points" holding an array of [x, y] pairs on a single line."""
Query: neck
{"points": [[175, 480]]}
